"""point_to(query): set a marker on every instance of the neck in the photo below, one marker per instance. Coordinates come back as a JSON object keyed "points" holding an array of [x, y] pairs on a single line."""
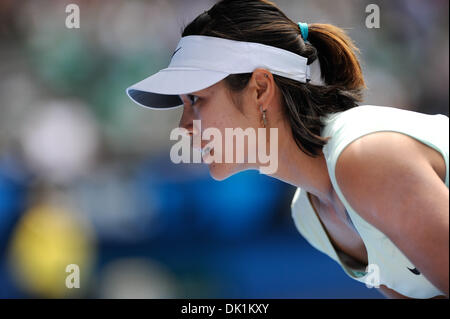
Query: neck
{"points": [[300, 170]]}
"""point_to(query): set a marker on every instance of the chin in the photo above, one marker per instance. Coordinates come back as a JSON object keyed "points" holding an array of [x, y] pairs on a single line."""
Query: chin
{"points": [[220, 171]]}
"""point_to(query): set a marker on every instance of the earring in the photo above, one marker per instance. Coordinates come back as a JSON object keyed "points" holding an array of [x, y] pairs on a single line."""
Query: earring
{"points": [[264, 115]]}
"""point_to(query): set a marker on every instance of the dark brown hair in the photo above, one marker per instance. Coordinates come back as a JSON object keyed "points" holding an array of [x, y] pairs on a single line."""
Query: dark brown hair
{"points": [[262, 22]]}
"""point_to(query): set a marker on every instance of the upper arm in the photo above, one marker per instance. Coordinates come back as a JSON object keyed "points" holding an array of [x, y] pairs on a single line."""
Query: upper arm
{"points": [[393, 187]]}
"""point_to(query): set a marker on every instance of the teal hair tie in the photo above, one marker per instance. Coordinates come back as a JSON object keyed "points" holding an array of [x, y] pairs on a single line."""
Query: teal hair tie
{"points": [[304, 30]]}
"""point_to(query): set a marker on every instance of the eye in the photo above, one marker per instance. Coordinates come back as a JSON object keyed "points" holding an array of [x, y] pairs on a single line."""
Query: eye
{"points": [[192, 98]]}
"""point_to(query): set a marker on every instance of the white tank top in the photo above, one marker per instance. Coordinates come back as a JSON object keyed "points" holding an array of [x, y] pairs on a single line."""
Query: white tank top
{"points": [[345, 127]]}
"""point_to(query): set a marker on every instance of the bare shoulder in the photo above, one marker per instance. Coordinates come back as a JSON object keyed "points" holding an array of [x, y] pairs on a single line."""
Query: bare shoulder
{"points": [[382, 163], [385, 143], [394, 146], [377, 152]]}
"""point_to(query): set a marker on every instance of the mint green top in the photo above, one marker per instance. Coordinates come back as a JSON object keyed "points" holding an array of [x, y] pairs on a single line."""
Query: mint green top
{"points": [[344, 128]]}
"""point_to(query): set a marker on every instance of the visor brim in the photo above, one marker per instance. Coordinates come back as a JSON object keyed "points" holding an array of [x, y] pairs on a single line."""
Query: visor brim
{"points": [[163, 89]]}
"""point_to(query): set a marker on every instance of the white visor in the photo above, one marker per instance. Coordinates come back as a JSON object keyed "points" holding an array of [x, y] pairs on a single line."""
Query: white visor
{"points": [[201, 61]]}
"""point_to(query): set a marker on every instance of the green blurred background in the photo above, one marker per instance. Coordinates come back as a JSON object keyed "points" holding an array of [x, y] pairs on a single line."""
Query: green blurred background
{"points": [[85, 174]]}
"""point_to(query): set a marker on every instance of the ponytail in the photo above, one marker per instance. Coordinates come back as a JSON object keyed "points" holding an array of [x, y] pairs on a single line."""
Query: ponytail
{"points": [[337, 56]]}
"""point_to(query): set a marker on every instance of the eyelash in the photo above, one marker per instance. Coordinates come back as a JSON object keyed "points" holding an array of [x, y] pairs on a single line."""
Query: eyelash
{"points": [[192, 98]]}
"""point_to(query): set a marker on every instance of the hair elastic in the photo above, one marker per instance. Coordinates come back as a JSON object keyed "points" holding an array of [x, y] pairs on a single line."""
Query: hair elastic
{"points": [[304, 30]]}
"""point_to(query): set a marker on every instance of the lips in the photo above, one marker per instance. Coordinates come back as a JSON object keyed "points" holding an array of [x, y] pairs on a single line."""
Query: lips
{"points": [[206, 151]]}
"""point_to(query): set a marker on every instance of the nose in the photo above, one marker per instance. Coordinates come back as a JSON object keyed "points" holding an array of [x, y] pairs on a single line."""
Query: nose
{"points": [[187, 119]]}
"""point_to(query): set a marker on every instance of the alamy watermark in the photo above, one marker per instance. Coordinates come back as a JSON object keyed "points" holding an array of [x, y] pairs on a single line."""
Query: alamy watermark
{"points": [[73, 17], [373, 276], [73, 279], [373, 18], [231, 152]]}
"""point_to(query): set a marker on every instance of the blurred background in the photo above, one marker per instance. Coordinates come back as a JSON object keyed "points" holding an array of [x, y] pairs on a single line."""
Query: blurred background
{"points": [[85, 174]]}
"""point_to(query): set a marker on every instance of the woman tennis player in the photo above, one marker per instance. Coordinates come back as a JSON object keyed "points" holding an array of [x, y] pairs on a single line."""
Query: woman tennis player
{"points": [[372, 180]]}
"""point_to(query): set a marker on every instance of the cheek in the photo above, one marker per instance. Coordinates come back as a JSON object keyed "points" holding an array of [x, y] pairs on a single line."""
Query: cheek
{"points": [[228, 115], [220, 116]]}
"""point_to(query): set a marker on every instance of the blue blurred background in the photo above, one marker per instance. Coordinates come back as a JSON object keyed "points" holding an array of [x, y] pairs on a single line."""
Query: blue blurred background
{"points": [[85, 174]]}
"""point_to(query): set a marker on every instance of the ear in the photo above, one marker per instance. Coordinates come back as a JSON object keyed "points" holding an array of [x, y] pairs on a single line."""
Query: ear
{"points": [[263, 85]]}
